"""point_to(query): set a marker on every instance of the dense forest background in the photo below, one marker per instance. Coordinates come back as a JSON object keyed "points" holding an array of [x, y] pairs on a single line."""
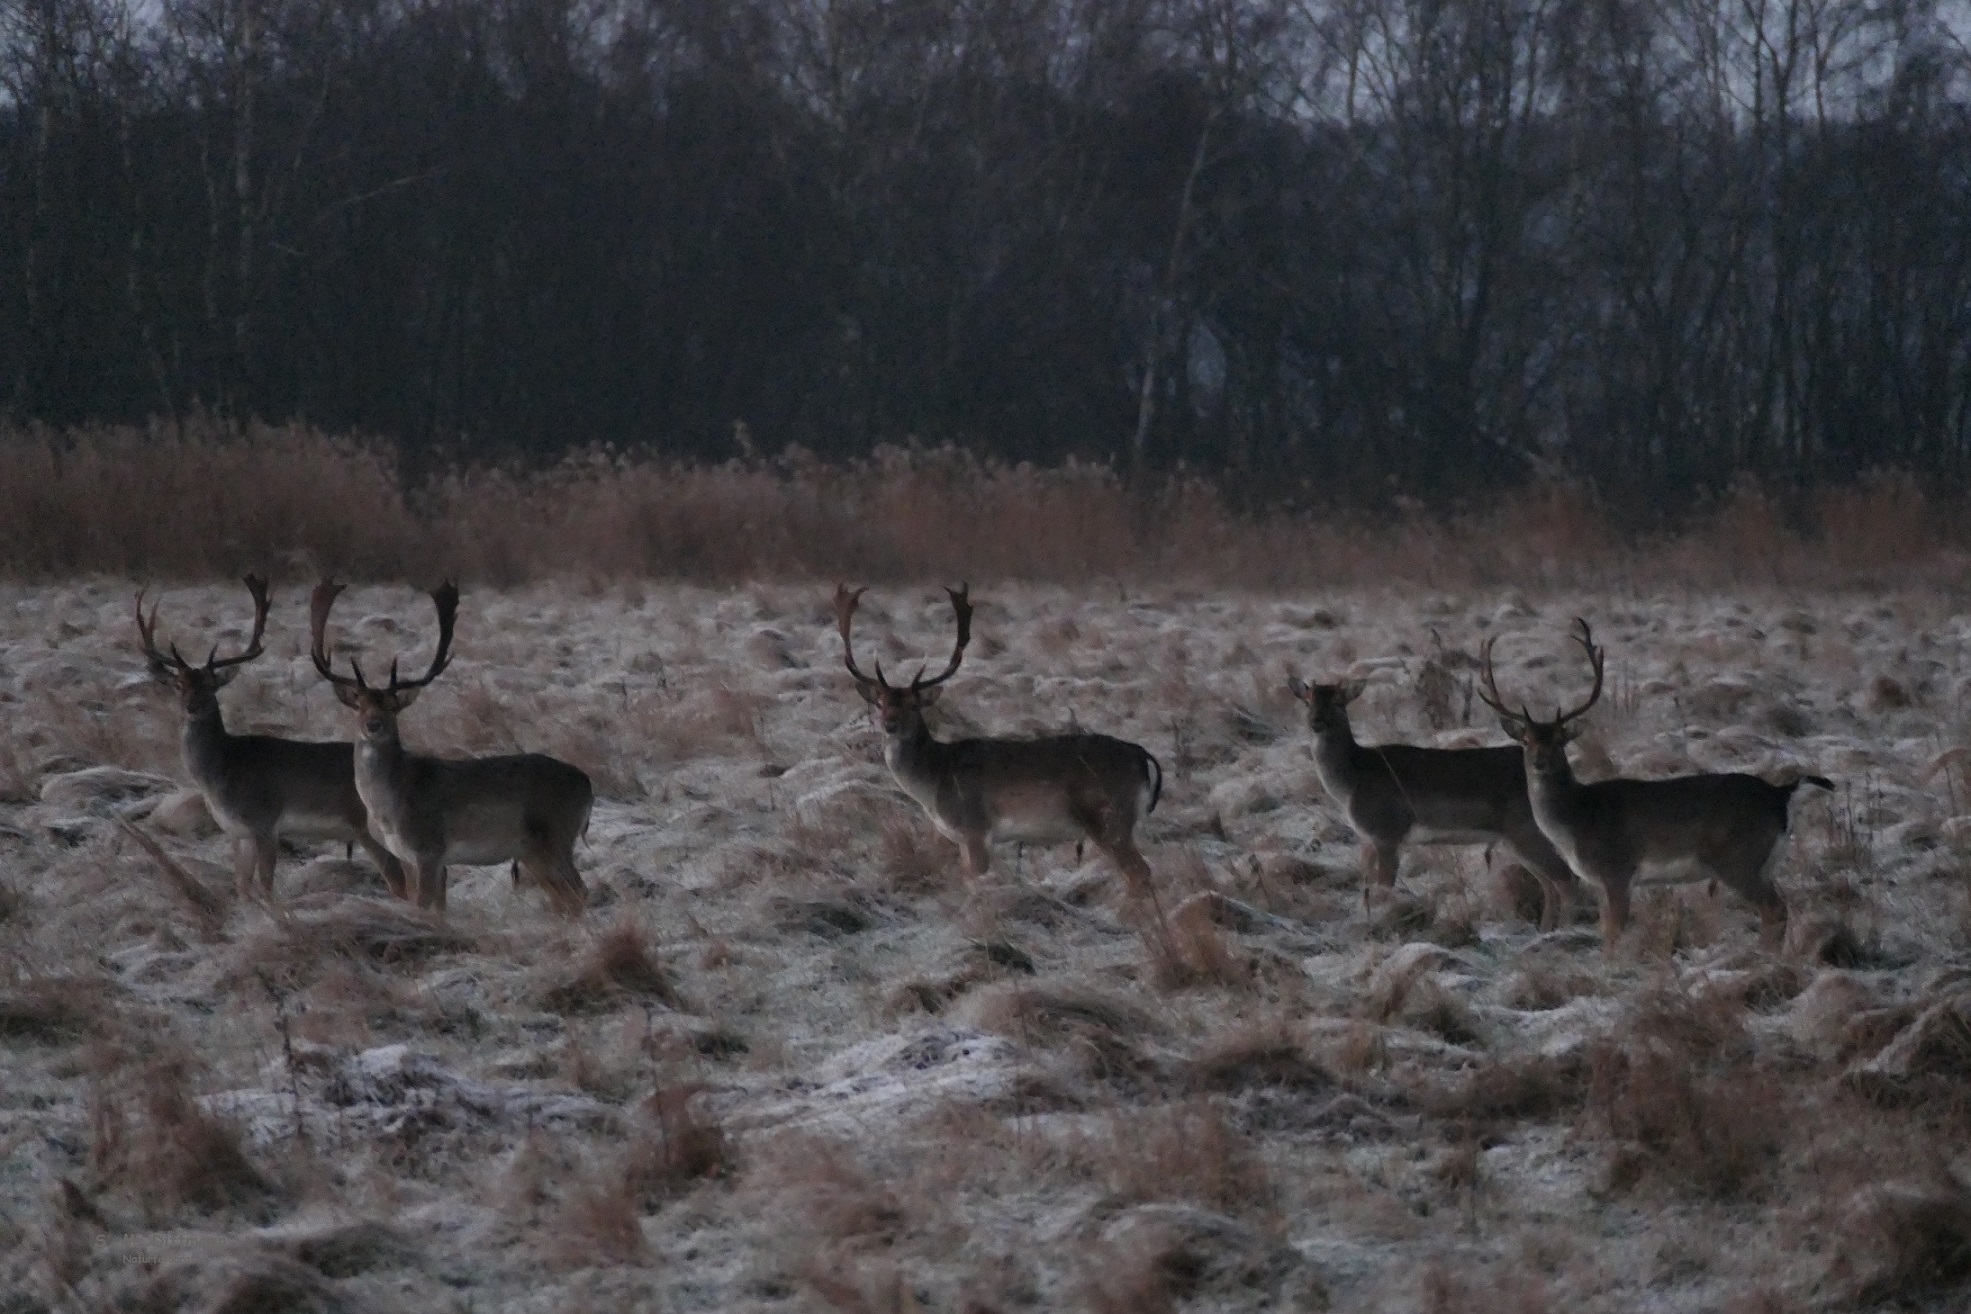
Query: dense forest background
{"points": [[1357, 251]]}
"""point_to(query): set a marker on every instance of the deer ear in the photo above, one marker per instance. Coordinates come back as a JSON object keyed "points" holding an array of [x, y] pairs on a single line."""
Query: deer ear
{"points": [[1572, 731], [926, 697], [1515, 730], [870, 694], [220, 679], [348, 697], [403, 698], [1298, 688], [1353, 690]]}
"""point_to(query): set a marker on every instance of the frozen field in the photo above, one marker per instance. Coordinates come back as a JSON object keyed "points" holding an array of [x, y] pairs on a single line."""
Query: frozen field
{"points": [[789, 1060]]}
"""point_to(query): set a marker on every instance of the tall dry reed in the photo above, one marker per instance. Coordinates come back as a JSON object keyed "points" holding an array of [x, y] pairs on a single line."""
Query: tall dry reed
{"points": [[201, 501]]}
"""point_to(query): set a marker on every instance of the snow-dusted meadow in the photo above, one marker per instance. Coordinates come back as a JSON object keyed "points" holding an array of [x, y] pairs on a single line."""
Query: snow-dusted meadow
{"points": [[789, 1060]]}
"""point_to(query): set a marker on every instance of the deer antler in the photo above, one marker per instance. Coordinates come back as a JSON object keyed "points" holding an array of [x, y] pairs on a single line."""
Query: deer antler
{"points": [[161, 661], [1488, 687], [961, 606], [446, 599], [147, 640], [258, 588], [845, 605], [319, 603], [1597, 659]]}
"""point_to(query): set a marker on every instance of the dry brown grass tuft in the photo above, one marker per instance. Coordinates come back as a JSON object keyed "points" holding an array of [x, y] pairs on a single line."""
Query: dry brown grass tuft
{"points": [[55, 1010], [1513, 1089], [352, 1249], [1105, 1033], [618, 969], [1677, 1092], [1442, 1289], [16, 774], [860, 1284], [1163, 1257], [1184, 1153], [677, 1147], [912, 858], [229, 1281], [276, 1286], [1404, 990], [1714, 1133], [827, 1193], [1249, 1057], [1188, 948], [151, 1137], [597, 1225], [1538, 987], [208, 909], [1906, 1240], [380, 932]]}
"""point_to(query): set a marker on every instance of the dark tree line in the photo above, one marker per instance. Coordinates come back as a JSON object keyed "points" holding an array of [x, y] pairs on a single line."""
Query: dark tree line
{"points": [[1354, 248]]}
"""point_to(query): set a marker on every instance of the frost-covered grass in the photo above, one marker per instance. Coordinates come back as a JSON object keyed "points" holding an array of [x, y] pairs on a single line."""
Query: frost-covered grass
{"points": [[789, 1060]]}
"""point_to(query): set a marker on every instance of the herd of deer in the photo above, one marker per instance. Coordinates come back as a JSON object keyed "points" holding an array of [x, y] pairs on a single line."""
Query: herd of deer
{"points": [[417, 815]]}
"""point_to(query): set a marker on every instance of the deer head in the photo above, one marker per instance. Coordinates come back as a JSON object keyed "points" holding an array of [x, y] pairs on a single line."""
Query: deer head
{"points": [[1546, 741], [900, 707], [376, 706], [1327, 704], [198, 686]]}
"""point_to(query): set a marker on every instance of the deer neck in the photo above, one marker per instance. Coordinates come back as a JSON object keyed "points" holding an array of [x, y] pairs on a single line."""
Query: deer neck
{"points": [[913, 756], [204, 741], [1334, 756], [380, 768], [1554, 792]]}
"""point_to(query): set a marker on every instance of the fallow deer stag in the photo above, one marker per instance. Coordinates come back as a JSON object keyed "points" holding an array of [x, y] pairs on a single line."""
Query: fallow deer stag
{"points": [[1054, 790], [258, 787], [1618, 833], [1394, 793], [432, 812]]}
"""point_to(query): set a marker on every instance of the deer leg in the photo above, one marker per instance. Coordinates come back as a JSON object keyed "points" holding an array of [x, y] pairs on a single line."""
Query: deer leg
{"points": [[1129, 860], [574, 894], [243, 864], [386, 863], [1764, 896], [978, 856], [1614, 908], [1556, 895], [428, 878], [553, 869], [1379, 862], [265, 850], [537, 868]]}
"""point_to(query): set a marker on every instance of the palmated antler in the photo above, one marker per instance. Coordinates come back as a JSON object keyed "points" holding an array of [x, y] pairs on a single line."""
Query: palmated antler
{"points": [[319, 603], [147, 639], [258, 588], [1597, 659], [845, 605], [961, 606], [445, 598], [1488, 688], [160, 661]]}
